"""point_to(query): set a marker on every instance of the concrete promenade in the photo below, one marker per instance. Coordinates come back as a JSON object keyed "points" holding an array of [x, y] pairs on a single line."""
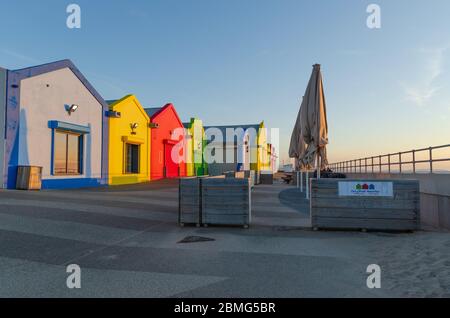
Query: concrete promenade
{"points": [[126, 238]]}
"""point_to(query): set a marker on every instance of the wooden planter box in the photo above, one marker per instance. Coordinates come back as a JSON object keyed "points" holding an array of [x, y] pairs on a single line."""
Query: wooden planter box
{"points": [[235, 174], [29, 178], [226, 201], [392, 205], [189, 207]]}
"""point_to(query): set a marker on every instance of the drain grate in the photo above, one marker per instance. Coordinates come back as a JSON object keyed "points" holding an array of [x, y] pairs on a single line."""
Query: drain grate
{"points": [[196, 239]]}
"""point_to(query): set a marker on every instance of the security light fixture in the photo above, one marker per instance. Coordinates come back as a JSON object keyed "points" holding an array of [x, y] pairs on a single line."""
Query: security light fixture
{"points": [[71, 109]]}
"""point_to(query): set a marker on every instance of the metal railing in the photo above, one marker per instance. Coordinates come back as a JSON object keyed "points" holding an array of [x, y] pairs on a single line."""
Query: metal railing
{"points": [[375, 164]]}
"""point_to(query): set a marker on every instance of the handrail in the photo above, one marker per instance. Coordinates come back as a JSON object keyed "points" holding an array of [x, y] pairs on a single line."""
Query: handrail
{"points": [[370, 165]]}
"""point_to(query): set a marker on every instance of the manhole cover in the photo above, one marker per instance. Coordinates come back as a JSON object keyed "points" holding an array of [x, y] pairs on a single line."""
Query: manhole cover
{"points": [[196, 239]]}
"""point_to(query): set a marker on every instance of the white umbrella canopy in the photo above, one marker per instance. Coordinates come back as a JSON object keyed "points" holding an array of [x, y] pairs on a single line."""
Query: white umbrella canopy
{"points": [[310, 136], [297, 148]]}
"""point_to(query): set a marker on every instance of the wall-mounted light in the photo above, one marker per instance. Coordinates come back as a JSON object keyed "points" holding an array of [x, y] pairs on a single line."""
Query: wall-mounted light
{"points": [[71, 109], [134, 126]]}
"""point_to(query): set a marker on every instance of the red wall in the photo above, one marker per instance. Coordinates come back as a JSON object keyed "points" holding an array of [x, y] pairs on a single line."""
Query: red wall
{"points": [[168, 120]]}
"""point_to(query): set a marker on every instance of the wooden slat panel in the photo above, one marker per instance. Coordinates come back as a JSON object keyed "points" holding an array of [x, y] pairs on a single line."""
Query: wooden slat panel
{"points": [[369, 224], [226, 201], [400, 212], [359, 202], [366, 213], [189, 201]]}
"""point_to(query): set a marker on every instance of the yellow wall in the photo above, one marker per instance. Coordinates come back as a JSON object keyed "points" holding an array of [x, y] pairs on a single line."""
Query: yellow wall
{"points": [[120, 133], [189, 153], [195, 146], [263, 162]]}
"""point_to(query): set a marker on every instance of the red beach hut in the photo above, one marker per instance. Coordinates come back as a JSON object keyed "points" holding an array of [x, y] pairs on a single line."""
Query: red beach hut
{"points": [[167, 157]]}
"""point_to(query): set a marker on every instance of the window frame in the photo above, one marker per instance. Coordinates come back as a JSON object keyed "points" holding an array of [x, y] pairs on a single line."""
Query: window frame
{"points": [[80, 138], [125, 158]]}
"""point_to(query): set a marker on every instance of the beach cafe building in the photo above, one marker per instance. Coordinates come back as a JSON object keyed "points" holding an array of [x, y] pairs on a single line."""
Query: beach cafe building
{"points": [[234, 151], [129, 142], [168, 153], [56, 120]]}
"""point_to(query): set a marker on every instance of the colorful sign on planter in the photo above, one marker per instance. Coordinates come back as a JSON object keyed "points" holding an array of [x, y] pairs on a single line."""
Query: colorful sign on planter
{"points": [[129, 142], [373, 189]]}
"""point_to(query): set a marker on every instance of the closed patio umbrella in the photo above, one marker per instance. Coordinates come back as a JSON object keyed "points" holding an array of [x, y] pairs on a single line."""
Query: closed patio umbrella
{"points": [[310, 136], [297, 147]]}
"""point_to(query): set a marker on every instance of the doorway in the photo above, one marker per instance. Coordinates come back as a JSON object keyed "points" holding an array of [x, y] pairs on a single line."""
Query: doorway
{"points": [[170, 166]]}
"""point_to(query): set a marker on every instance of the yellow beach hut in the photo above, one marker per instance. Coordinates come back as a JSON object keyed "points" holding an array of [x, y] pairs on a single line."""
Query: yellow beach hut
{"points": [[129, 142]]}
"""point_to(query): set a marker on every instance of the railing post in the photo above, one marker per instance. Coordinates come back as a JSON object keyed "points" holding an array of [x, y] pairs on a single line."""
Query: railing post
{"points": [[389, 163], [414, 160], [431, 160], [372, 164], [400, 161], [379, 158]]}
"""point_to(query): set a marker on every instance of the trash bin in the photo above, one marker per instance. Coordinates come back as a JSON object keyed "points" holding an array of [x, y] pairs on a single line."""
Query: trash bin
{"points": [[266, 177], [29, 178]]}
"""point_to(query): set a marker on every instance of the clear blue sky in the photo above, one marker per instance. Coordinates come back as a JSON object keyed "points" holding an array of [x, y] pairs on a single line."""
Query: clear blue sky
{"points": [[244, 61]]}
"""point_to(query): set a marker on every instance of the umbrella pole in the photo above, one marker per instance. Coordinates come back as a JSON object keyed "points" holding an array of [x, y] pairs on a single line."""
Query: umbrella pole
{"points": [[307, 184], [301, 181]]}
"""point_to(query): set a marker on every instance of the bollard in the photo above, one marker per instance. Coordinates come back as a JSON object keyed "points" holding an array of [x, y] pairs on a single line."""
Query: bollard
{"points": [[301, 181], [307, 185]]}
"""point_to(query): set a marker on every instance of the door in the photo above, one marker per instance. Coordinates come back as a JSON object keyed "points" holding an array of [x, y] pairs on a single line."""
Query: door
{"points": [[170, 167]]}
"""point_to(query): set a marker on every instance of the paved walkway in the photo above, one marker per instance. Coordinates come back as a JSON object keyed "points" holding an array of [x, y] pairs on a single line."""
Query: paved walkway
{"points": [[126, 241]]}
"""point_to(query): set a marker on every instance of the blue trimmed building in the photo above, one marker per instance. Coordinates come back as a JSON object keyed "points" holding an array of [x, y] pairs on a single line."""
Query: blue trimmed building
{"points": [[53, 118]]}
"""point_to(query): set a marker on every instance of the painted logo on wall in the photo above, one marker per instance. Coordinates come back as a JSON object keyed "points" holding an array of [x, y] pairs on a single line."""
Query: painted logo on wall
{"points": [[375, 189]]}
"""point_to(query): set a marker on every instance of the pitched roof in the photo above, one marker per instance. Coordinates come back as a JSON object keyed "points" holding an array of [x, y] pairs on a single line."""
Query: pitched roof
{"points": [[223, 129], [113, 104], [54, 66], [152, 111], [111, 101]]}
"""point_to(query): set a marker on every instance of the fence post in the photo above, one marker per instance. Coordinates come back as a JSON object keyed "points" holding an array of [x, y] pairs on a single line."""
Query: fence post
{"points": [[414, 160], [389, 163], [379, 158], [400, 161], [431, 160]]}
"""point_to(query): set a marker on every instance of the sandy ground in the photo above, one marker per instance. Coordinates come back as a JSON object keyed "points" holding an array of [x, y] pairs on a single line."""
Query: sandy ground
{"points": [[126, 241]]}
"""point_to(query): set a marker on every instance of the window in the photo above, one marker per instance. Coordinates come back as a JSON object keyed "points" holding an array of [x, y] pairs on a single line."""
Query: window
{"points": [[67, 153], [132, 158]]}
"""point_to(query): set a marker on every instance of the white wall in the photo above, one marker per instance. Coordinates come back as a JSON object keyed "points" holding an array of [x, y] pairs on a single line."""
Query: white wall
{"points": [[2, 122], [42, 98]]}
